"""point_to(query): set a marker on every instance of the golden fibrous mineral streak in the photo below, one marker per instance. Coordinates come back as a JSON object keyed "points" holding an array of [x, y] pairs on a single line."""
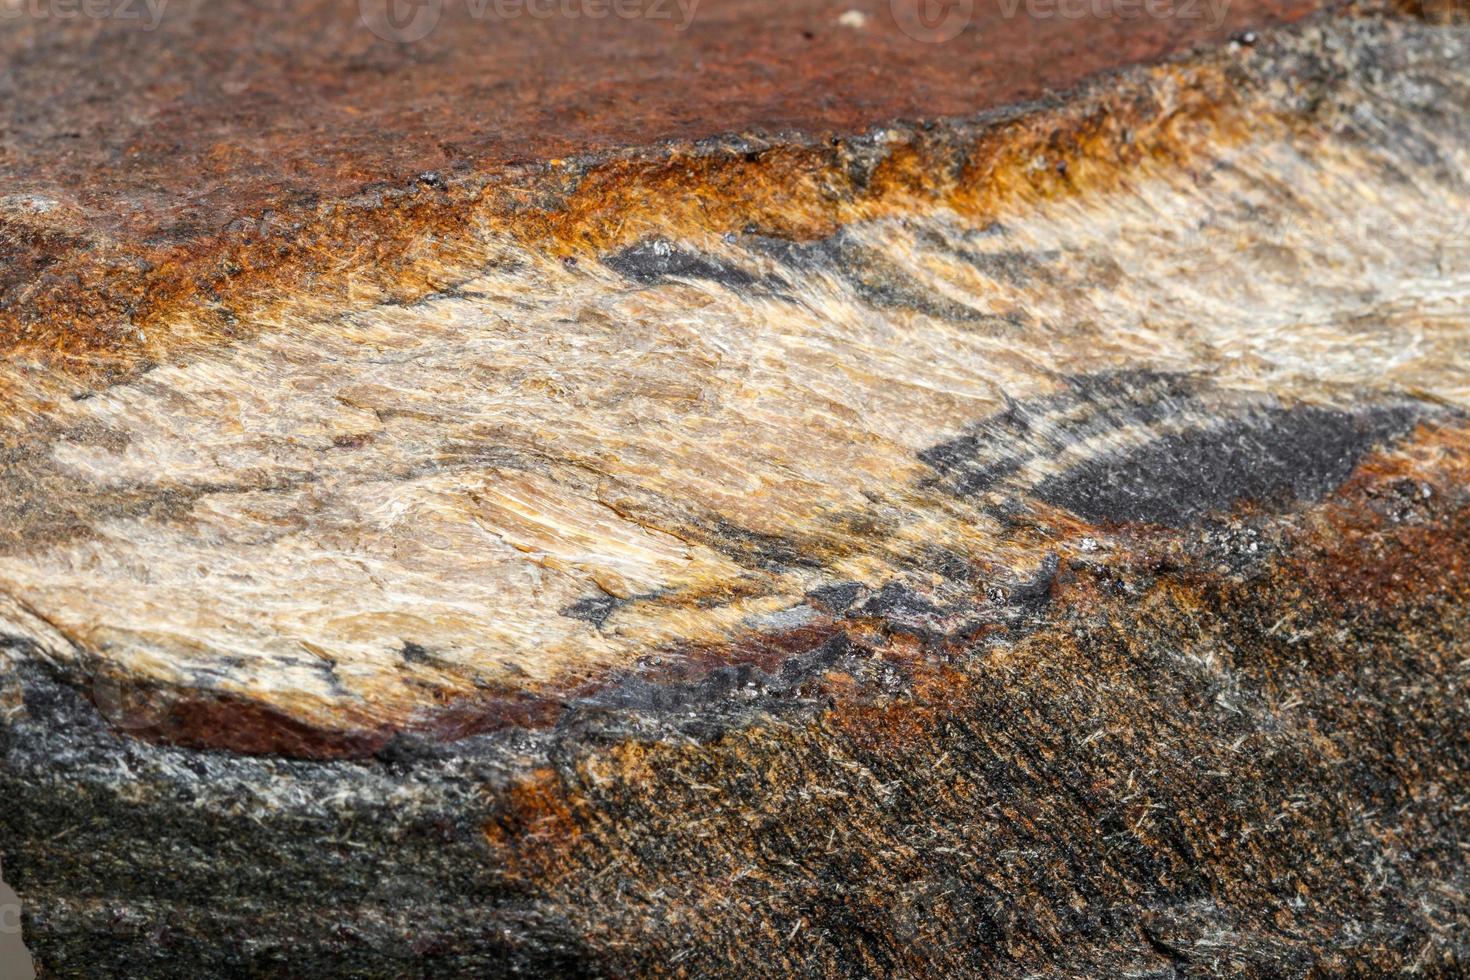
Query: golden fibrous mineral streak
{"points": [[1028, 541]]}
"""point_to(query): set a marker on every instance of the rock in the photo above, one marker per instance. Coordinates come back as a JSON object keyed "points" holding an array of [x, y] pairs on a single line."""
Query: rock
{"points": [[1028, 543]]}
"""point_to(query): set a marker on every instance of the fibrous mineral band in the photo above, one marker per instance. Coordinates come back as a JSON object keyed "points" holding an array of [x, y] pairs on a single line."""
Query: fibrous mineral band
{"points": [[1023, 544]]}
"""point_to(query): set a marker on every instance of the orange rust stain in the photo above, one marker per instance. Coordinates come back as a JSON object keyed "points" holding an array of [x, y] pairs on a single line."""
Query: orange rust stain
{"points": [[533, 826], [338, 256]]}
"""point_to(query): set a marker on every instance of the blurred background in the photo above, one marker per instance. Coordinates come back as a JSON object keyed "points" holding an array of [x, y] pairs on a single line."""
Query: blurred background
{"points": [[15, 962]]}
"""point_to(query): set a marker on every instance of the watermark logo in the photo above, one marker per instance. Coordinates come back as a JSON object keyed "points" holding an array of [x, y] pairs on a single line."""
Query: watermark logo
{"points": [[402, 21], [932, 21]]}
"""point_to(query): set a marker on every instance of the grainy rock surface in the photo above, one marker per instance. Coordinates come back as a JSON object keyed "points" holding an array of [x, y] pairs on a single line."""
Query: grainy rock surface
{"points": [[1028, 544]]}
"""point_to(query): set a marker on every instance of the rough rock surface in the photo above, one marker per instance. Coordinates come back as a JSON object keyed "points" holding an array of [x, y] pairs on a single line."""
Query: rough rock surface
{"points": [[1023, 544]]}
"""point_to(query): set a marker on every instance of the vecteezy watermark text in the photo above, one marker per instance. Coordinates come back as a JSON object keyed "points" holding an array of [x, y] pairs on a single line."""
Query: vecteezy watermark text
{"points": [[1211, 12], [406, 21], [937, 21], [147, 14]]}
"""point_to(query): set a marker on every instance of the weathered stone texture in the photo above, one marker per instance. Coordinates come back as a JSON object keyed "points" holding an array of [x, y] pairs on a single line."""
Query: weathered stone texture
{"points": [[1028, 544]]}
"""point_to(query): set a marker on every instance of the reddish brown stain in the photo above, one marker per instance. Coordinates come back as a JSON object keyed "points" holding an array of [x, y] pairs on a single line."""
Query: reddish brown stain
{"points": [[197, 165], [533, 825]]}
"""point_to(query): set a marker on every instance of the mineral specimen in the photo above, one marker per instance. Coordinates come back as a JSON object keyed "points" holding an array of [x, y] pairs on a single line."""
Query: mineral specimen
{"points": [[806, 522]]}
